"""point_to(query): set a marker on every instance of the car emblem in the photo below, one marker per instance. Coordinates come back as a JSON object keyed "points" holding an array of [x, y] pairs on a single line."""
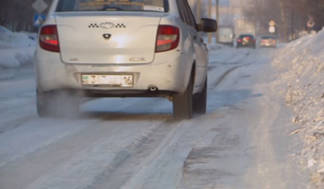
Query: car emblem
{"points": [[106, 36], [106, 25]]}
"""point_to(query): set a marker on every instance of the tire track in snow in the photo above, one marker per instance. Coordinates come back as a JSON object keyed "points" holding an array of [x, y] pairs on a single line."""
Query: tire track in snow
{"points": [[223, 76], [149, 164], [230, 65], [44, 163], [74, 162], [33, 136], [163, 167], [137, 156]]}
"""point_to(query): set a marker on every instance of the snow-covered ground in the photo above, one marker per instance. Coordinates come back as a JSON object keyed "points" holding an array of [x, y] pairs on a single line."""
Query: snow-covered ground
{"points": [[248, 139], [16, 49], [301, 81]]}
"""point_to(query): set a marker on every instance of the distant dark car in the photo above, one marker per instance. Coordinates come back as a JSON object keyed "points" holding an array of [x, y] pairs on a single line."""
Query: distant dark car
{"points": [[268, 41], [246, 40]]}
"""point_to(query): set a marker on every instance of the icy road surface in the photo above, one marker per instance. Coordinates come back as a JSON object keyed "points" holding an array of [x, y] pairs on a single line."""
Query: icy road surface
{"points": [[241, 143]]}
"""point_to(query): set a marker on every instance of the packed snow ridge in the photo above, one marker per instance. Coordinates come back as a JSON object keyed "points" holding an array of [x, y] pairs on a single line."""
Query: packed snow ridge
{"points": [[16, 48], [301, 81]]}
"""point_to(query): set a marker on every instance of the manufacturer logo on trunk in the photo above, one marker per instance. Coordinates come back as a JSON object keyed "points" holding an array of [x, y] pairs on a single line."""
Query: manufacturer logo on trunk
{"points": [[106, 36], [106, 25]]}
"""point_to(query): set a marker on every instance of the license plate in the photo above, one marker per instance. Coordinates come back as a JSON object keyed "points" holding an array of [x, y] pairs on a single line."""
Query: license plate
{"points": [[124, 80]]}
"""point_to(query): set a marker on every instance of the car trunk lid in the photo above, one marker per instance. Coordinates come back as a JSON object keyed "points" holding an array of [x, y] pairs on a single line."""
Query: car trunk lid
{"points": [[107, 39]]}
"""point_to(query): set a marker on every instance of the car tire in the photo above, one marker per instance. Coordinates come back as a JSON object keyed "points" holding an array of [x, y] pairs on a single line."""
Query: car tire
{"points": [[57, 104], [182, 103], [200, 101]]}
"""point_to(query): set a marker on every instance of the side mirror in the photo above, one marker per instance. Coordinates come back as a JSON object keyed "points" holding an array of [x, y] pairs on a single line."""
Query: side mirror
{"points": [[207, 25]]}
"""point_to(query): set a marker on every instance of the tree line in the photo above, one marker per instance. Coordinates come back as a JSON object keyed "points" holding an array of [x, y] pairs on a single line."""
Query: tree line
{"points": [[291, 16]]}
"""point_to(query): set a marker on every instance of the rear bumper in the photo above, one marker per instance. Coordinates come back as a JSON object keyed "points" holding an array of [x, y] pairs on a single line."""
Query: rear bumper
{"points": [[168, 73], [92, 93], [268, 45], [245, 45]]}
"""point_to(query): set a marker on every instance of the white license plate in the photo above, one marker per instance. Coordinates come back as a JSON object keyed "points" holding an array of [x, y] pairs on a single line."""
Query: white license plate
{"points": [[125, 80]]}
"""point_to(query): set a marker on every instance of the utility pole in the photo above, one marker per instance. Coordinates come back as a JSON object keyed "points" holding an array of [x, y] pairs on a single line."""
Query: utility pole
{"points": [[217, 18], [257, 8], [292, 23], [198, 10], [210, 16]]}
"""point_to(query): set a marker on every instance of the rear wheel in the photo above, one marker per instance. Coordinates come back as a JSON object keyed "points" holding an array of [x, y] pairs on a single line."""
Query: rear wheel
{"points": [[200, 101], [57, 104], [182, 103]]}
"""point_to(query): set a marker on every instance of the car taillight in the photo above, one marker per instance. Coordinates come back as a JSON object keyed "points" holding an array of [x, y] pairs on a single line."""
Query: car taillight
{"points": [[167, 38], [48, 38]]}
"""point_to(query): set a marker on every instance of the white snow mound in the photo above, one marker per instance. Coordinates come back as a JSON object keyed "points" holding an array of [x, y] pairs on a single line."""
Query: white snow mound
{"points": [[301, 80], [16, 49]]}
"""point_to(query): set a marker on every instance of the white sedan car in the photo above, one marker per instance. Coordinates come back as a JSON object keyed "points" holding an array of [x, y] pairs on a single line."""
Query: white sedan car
{"points": [[121, 48]]}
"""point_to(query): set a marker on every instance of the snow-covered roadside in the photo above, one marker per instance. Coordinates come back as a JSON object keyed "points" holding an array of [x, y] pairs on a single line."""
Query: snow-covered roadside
{"points": [[135, 143], [16, 49], [301, 82]]}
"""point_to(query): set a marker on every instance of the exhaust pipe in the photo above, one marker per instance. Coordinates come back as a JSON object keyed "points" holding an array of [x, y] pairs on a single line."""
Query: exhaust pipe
{"points": [[153, 89]]}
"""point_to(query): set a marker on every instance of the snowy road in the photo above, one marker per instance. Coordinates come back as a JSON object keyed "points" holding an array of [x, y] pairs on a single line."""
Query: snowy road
{"points": [[135, 143]]}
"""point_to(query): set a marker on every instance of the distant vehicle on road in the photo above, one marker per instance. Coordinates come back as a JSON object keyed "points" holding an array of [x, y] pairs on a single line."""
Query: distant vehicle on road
{"points": [[268, 41], [226, 35], [122, 49], [246, 40]]}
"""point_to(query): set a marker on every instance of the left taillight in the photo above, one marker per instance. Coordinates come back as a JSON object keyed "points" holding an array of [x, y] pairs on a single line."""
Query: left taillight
{"points": [[167, 38], [48, 38]]}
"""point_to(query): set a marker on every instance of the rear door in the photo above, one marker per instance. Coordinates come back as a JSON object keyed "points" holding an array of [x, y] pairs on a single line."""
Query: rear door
{"points": [[102, 32], [200, 48]]}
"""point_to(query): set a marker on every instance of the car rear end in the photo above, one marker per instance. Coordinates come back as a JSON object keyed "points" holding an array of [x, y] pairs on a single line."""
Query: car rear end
{"points": [[117, 49], [110, 49], [268, 41], [246, 41]]}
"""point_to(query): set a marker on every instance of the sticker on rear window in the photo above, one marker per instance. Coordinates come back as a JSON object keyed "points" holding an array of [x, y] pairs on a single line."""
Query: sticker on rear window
{"points": [[153, 8]]}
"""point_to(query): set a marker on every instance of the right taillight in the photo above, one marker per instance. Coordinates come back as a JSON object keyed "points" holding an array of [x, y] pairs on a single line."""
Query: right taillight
{"points": [[167, 38], [48, 38]]}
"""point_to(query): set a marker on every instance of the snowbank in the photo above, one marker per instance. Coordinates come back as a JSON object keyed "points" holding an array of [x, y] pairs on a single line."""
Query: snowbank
{"points": [[16, 49], [301, 81]]}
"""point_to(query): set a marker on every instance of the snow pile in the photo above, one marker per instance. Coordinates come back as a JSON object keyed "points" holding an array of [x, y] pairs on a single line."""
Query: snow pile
{"points": [[16, 49], [301, 79]]}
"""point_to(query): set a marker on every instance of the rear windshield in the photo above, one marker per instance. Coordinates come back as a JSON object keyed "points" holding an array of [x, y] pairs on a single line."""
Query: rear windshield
{"points": [[113, 5]]}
